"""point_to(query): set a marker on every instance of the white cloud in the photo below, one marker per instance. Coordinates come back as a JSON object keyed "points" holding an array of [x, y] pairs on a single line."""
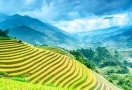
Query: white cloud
{"points": [[79, 19], [120, 19], [46, 13], [95, 23]]}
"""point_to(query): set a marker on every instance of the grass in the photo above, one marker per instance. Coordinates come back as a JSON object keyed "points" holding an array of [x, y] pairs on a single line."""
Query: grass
{"points": [[5, 38], [108, 68], [56, 50], [19, 79], [6, 84], [122, 81]]}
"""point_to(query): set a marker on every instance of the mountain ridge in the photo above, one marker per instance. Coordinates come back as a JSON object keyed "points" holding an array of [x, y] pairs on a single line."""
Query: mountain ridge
{"points": [[56, 37], [52, 35]]}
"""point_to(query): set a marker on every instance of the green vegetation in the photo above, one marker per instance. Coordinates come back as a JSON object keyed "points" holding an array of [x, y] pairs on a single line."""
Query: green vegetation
{"points": [[108, 63], [123, 81], [88, 53], [4, 34], [127, 63], [3, 74], [19, 79], [79, 57], [102, 58], [118, 69], [6, 84], [56, 50]]}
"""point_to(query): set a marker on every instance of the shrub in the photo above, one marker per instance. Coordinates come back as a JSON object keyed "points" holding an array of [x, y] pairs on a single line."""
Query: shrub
{"points": [[19, 79], [52, 85], [3, 74]]}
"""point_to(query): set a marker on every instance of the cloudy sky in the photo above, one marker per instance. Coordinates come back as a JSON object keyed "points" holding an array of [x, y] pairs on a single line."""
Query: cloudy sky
{"points": [[73, 15]]}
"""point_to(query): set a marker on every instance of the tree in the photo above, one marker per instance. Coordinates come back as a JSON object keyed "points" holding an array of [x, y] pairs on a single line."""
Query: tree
{"points": [[102, 54], [125, 62], [117, 55], [79, 57], [4, 33], [88, 53]]}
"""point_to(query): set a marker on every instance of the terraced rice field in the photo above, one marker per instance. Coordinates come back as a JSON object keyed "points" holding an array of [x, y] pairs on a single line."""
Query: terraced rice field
{"points": [[44, 67]]}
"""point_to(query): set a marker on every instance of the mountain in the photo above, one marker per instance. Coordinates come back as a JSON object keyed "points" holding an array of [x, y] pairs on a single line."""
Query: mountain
{"points": [[120, 41], [106, 37], [96, 35], [3, 16], [29, 34], [101, 33], [125, 36], [35, 31], [97, 32]]}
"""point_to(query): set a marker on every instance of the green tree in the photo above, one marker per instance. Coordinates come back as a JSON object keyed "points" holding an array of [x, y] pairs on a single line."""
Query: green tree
{"points": [[4, 33], [117, 56], [79, 57], [88, 53], [102, 54]]}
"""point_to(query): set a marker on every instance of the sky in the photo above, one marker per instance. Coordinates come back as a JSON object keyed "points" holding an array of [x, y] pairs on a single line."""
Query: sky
{"points": [[73, 15]]}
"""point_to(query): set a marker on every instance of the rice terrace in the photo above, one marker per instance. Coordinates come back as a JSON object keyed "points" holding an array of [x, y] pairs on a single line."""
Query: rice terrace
{"points": [[42, 67]]}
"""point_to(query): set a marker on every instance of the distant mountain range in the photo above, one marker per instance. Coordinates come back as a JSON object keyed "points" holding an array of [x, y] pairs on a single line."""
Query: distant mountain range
{"points": [[35, 31], [3, 16], [119, 41], [113, 38]]}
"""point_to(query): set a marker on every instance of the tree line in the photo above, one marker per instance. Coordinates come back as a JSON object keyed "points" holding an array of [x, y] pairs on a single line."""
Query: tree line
{"points": [[101, 57]]}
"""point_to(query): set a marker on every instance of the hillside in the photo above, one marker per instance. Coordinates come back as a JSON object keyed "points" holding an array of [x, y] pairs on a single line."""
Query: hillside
{"points": [[38, 66], [126, 36], [113, 38], [56, 50], [17, 23], [3, 16], [120, 41], [93, 33], [30, 35]]}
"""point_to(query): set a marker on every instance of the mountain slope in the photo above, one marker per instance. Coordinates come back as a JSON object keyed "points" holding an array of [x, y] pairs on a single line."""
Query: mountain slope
{"points": [[44, 67], [120, 41], [29, 34], [97, 32], [3, 16], [57, 36], [114, 37], [126, 36]]}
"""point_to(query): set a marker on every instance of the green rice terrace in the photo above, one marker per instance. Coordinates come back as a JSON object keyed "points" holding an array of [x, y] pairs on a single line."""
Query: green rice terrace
{"points": [[38, 69]]}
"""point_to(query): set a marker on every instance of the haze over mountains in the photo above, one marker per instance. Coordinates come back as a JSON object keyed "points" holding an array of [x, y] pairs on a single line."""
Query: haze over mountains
{"points": [[37, 32], [34, 31], [113, 38]]}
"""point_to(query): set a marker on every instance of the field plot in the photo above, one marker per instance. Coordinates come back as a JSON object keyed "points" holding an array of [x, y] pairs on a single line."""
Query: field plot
{"points": [[47, 68]]}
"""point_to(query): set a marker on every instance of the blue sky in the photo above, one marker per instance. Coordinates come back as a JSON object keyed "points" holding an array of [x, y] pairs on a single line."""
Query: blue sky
{"points": [[73, 15]]}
